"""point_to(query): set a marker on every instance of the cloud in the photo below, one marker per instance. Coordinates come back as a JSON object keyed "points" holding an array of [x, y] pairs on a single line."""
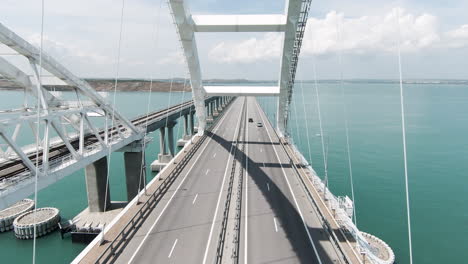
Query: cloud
{"points": [[269, 46], [365, 35]]}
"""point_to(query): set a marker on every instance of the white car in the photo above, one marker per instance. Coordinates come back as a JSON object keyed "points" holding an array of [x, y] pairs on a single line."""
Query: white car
{"points": [[259, 124]]}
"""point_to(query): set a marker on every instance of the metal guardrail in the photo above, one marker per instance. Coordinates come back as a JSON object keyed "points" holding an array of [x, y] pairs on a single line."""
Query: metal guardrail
{"points": [[227, 204], [116, 246], [325, 224]]}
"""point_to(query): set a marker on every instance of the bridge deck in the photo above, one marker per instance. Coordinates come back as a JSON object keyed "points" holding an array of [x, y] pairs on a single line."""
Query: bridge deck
{"points": [[279, 224]]}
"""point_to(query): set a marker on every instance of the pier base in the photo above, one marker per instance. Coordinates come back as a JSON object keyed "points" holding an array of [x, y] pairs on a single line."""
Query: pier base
{"points": [[181, 142], [161, 162], [87, 220]]}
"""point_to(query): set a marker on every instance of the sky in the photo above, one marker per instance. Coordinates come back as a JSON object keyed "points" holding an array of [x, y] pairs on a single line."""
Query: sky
{"points": [[84, 36]]}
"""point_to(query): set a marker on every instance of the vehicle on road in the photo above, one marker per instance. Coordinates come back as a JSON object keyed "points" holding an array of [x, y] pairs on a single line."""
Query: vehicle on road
{"points": [[259, 124], [250, 120]]}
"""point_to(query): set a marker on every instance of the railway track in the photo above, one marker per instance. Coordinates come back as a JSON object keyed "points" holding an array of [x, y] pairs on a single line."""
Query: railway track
{"points": [[14, 167]]}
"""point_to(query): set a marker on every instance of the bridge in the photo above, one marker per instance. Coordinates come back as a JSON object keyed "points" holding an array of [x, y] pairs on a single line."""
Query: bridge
{"points": [[238, 191]]}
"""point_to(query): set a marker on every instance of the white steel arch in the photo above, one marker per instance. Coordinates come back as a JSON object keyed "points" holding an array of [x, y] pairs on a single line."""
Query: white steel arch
{"points": [[292, 23]]}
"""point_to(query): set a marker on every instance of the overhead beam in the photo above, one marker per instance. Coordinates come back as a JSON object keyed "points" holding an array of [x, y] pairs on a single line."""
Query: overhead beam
{"points": [[239, 23], [242, 90]]}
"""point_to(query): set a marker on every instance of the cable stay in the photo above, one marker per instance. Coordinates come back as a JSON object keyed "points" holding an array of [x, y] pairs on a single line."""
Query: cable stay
{"points": [[403, 131], [36, 174], [345, 117], [117, 73]]}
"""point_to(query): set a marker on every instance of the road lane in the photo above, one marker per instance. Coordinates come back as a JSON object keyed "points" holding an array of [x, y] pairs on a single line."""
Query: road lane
{"points": [[186, 221]]}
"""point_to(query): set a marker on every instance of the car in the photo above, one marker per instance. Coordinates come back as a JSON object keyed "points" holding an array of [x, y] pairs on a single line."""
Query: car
{"points": [[259, 124], [250, 120]]}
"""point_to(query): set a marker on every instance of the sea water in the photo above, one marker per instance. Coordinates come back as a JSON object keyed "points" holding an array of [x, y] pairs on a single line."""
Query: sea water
{"points": [[436, 129]]}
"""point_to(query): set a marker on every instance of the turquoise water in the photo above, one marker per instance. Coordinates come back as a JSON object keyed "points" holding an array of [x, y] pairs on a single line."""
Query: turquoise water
{"points": [[437, 125], [437, 122], [69, 194]]}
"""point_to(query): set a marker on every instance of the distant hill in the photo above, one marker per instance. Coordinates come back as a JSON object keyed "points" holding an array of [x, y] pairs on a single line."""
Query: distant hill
{"points": [[177, 84]]}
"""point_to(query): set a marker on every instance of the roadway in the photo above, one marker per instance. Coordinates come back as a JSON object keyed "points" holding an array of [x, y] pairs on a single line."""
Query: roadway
{"points": [[278, 223]]}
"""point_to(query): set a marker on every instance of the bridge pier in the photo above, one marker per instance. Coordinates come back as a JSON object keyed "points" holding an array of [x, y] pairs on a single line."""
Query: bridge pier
{"points": [[96, 185], [187, 132], [163, 156], [135, 172], [209, 118], [216, 107]]}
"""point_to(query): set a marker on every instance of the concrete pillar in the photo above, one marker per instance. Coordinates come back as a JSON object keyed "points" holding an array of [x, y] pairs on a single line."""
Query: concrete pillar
{"points": [[162, 141], [133, 170], [186, 126], [96, 185], [192, 123], [186, 135], [170, 138]]}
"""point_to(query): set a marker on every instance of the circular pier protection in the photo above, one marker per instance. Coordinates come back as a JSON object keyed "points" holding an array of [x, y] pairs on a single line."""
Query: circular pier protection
{"points": [[381, 249], [8, 215], [46, 220]]}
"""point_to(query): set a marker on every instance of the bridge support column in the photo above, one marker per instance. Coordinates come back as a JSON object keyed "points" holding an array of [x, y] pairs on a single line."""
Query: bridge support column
{"points": [[96, 186], [170, 138], [187, 134], [163, 156], [192, 123], [135, 173], [209, 118], [216, 109]]}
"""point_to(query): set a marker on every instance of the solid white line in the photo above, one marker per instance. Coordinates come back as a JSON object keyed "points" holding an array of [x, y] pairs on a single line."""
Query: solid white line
{"points": [[177, 189], [194, 199], [290, 189], [246, 190], [173, 246], [268, 186], [261, 149], [220, 193], [276, 226], [214, 155], [207, 171]]}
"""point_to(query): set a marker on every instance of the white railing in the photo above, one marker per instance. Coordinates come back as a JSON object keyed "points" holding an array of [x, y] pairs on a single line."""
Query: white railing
{"points": [[345, 221]]}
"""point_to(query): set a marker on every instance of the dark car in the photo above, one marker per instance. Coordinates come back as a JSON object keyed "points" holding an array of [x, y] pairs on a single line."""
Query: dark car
{"points": [[250, 120]]}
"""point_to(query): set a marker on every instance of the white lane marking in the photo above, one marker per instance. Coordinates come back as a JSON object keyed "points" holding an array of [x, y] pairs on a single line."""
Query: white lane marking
{"points": [[246, 190], [173, 246], [214, 155], [290, 189], [194, 199], [221, 192], [261, 149], [207, 171], [263, 164], [268, 186], [177, 189], [276, 225]]}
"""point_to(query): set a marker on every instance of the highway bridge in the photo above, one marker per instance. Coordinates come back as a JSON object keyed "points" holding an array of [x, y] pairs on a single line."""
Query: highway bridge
{"points": [[237, 192], [239, 195]]}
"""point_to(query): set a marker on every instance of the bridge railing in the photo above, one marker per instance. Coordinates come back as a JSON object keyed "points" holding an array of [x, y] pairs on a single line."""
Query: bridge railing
{"points": [[116, 245]]}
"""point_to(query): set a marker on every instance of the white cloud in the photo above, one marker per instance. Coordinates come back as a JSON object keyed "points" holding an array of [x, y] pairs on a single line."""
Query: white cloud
{"points": [[458, 37], [361, 35], [269, 46]]}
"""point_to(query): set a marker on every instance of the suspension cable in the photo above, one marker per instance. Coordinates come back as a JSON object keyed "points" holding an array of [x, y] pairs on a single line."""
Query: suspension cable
{"points": [[345, 117], [113, 103], [36, 176], [306, 123], [403, 130], [143, 156], [324, 154]]}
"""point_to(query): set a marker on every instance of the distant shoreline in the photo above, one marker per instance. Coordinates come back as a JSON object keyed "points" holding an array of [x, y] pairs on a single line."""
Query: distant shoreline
{"points": [[177, 84]]}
